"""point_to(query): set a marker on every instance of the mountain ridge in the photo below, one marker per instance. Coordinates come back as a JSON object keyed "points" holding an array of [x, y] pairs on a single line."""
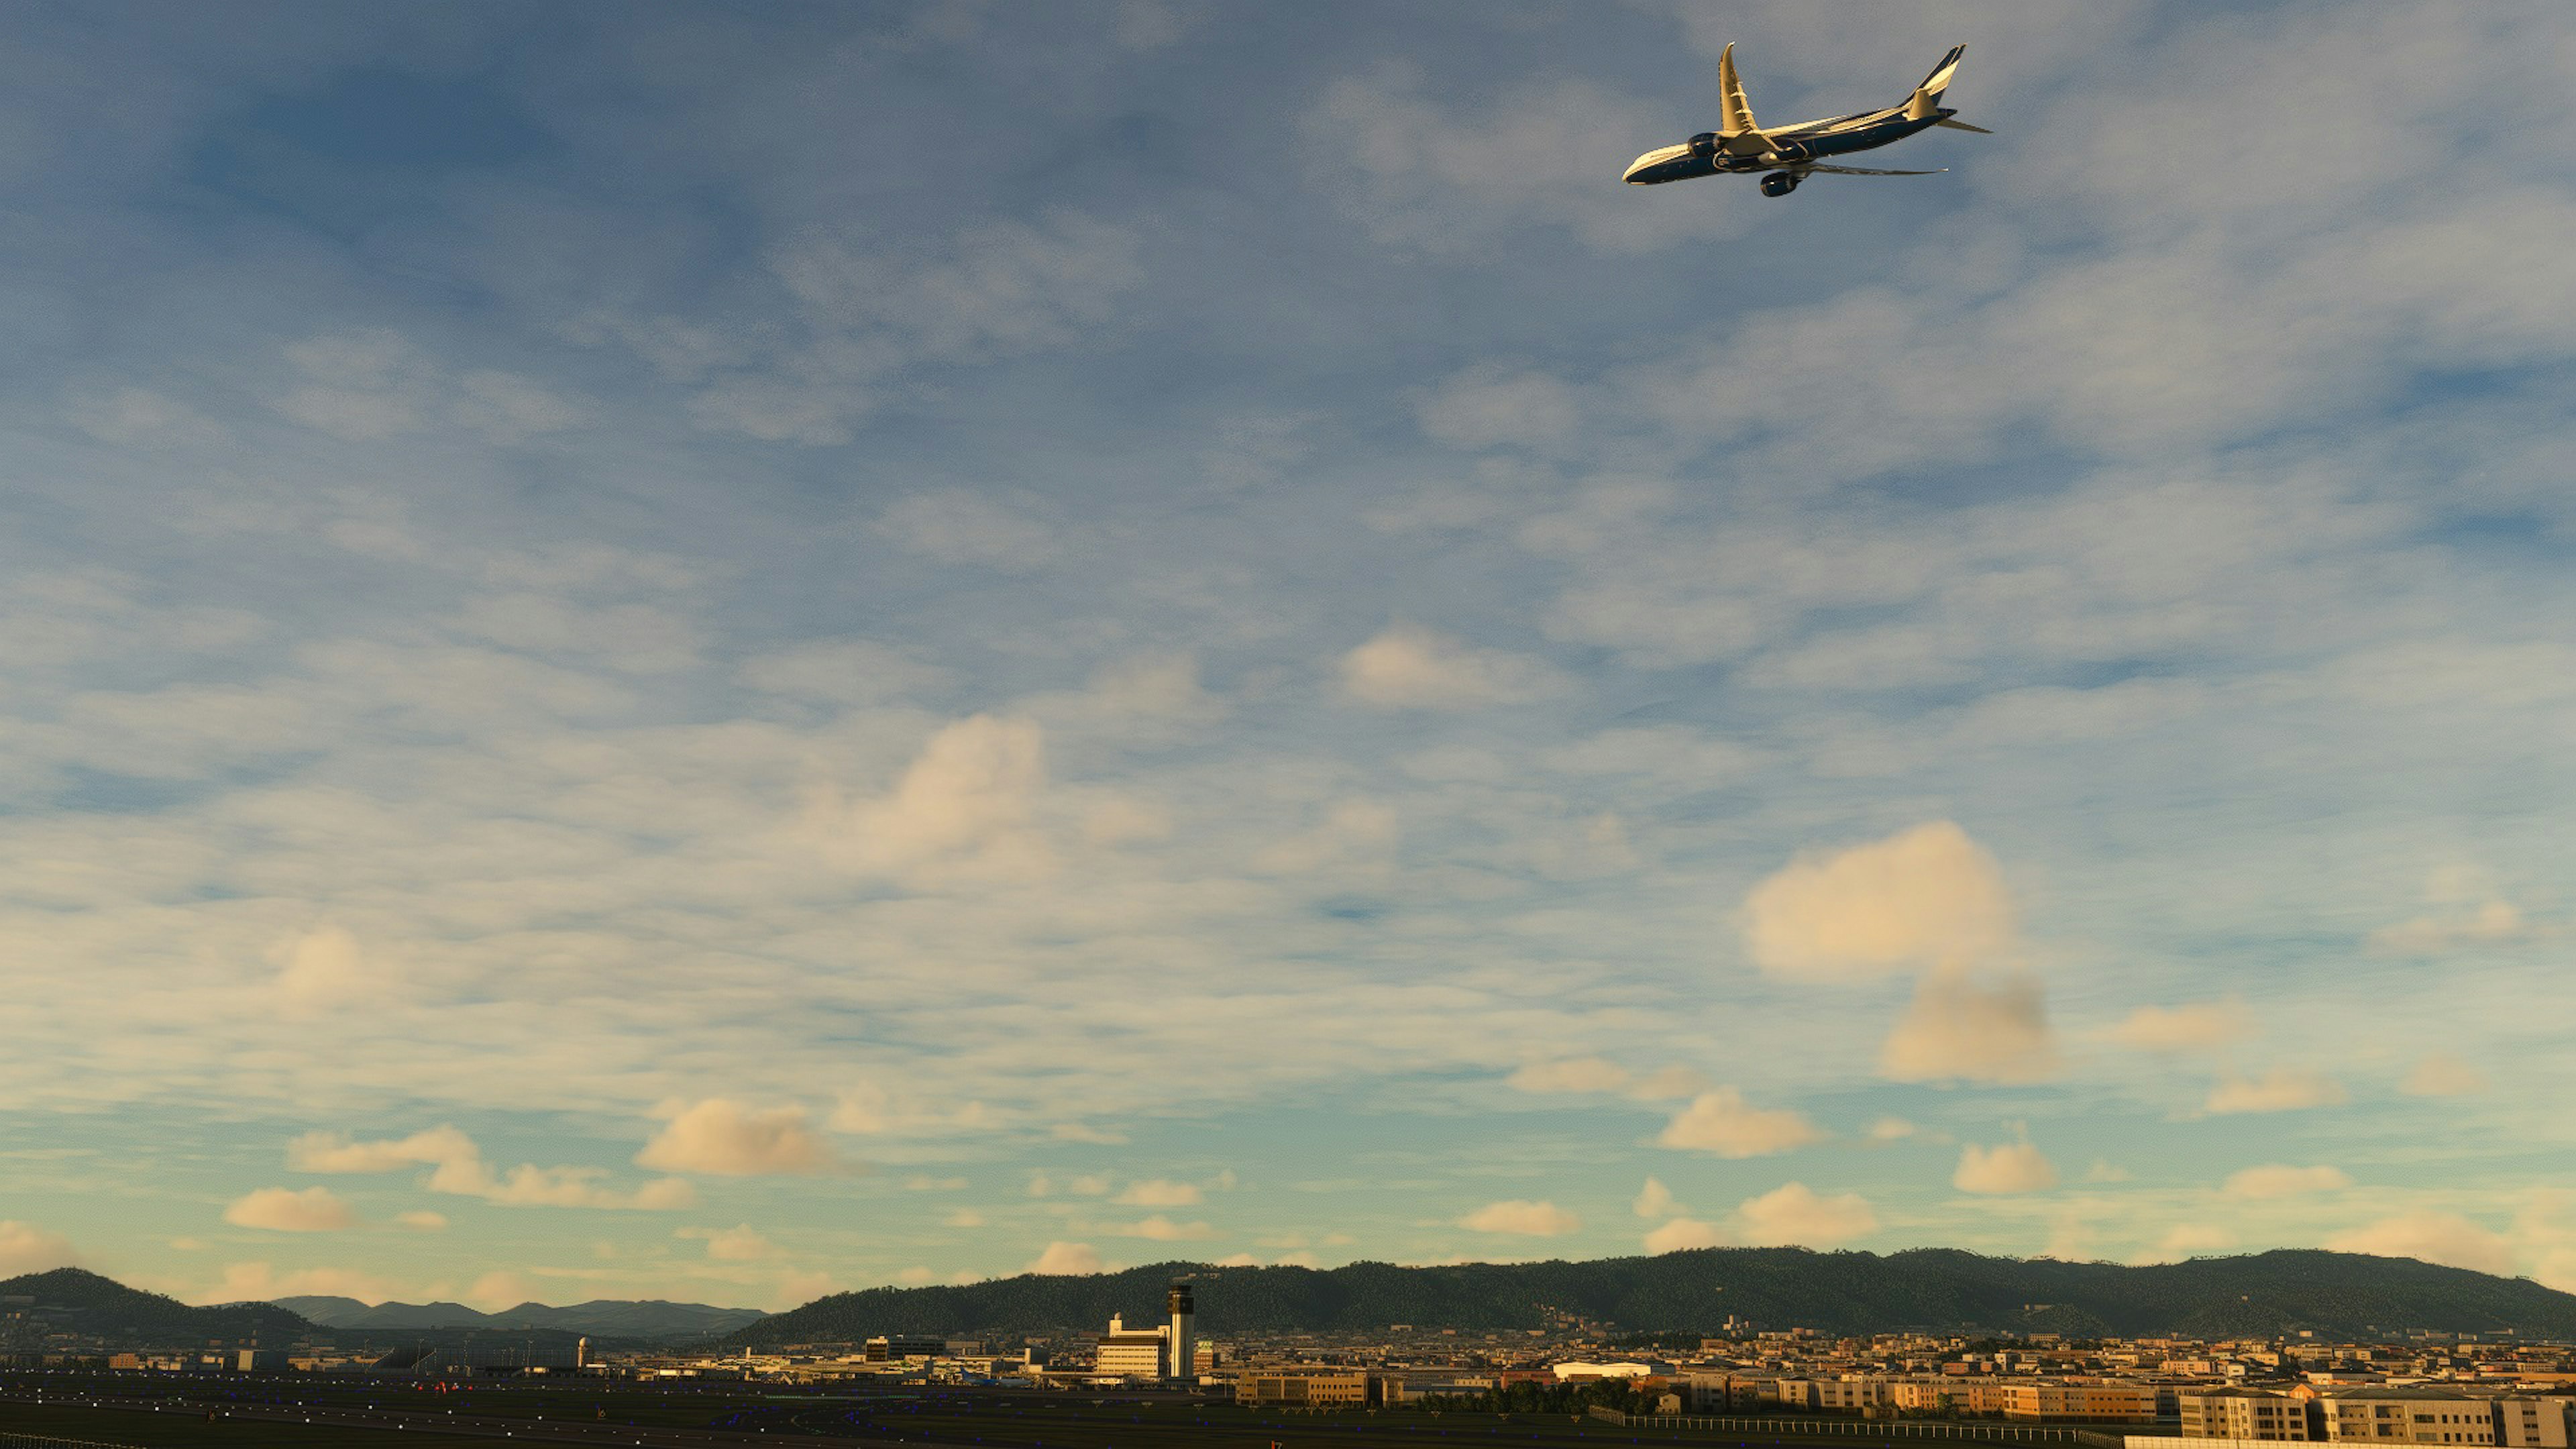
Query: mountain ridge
{"points": [[2286, 1291], [650, 1318]]}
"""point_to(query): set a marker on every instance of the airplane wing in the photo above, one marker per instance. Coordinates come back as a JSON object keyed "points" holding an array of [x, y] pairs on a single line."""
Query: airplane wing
{"points": [[1871, 171], [1735, 114], [1962, 126]]}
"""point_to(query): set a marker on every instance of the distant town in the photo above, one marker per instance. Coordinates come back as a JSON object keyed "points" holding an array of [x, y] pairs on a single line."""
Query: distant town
{"points": [[2419, 1387]]}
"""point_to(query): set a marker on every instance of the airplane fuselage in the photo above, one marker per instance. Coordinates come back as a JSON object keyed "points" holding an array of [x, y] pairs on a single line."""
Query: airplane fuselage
{"points": [[1780, 148]]}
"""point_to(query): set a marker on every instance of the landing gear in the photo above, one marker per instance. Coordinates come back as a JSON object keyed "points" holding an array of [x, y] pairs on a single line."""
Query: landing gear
{"points": [[1779, 183]]}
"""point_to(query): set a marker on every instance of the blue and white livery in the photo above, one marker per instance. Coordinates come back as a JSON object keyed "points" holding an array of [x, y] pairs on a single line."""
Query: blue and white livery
{"points": [[1787, 155]]}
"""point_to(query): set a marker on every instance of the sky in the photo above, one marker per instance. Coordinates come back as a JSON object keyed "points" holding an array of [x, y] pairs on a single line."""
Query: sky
{"points": [[724, 651]]}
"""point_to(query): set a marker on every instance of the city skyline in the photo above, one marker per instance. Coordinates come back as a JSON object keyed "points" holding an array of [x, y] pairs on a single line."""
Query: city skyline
{"points": [[724, 656]]}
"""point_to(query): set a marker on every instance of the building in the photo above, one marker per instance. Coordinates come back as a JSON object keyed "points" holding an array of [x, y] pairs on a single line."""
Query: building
{"points": [[1131, 1353], [2230, 1413], [889, 1349], [1182, 1361], [2117, 1403], [1854, 1394], [2433, 1414], [1304, 1389]]}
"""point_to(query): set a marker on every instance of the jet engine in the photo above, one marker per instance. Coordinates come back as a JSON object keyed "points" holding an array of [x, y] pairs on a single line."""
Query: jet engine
{"points": [[1703, 145]]}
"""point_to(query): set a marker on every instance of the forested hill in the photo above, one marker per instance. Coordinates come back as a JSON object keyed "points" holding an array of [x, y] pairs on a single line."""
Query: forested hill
{"points": [[103, 1306], [2337, 1295]]}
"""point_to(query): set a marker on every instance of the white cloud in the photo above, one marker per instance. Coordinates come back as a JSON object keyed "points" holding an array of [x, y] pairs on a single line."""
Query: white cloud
{"points": [[964, 1217], [1654, 1200], [1162, 1229], [741, 1243], [1682, 1234], [2009, 1167], [458, 1167], [1482, 407], [1574, 1074], [1409, 667], [421, 1220], [1795, 1213], [2282, 1089], [968, 802], [329, 1152], [1085, 1132], [1958, 1028], [1159, 1192], [1067, 1259], [2198, 1026], [1890, 1129], [957, 527], [284, 1210], [2185, 1239], [26, 1248], [727, 1138], [1722, 1122], [2280, 1179], [324, 968], [2439, 1074], [1924, 897], [2435, 1237], [1522, 1218]]}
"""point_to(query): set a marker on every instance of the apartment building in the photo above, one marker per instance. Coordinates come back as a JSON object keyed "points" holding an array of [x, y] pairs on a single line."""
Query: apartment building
{"points": [[2113, 1403], [2231, 1413], [2410, 1414]]}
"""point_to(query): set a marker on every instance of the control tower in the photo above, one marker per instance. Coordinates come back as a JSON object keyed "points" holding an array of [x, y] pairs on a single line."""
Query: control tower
{"points": [[1184, 1336]]}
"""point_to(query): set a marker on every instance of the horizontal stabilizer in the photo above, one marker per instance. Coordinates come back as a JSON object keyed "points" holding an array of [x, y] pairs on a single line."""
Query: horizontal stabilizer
{"points": [[1962, 126]]}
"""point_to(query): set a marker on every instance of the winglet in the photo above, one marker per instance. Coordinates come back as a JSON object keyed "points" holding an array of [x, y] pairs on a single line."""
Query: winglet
{"points": [[1735, 114], [1927, 96]]}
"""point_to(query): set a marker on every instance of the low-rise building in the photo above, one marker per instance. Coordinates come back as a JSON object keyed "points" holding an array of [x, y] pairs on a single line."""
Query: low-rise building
{"points": [[2111, 1403], [2245, 1414], [1304, 1389]]}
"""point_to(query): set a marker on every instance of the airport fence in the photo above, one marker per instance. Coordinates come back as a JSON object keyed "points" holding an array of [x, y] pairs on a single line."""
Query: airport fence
{"points": [[1883, 1430]]}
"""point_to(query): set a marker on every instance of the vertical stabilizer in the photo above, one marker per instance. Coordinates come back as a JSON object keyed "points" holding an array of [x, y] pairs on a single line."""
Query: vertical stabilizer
{"points": [[1927, 96], [1735, 114]]}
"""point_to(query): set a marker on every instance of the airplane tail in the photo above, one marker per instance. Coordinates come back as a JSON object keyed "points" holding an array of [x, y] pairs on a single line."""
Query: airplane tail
{"points": [[1927, 96], [1735, 114]]}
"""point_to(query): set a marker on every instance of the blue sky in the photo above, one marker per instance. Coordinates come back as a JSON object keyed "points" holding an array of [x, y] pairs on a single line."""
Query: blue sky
{"points": [[719, 652]]}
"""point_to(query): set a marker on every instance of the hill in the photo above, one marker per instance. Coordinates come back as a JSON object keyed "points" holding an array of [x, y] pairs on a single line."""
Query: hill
{"points": [[600, 1318], [90, 1304], [2335, 1295]]}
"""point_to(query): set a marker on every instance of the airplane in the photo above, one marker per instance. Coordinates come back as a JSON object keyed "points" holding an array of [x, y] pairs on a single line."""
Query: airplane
{"points": [[1790, 154]]}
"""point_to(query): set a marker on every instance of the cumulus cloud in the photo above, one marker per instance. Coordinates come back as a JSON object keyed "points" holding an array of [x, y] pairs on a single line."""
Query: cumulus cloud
{"points": [[1924, 897], [2280, 1179], [968, 801], [2185, 1239], [2009, 1167], [1162, 1229], [1889, 1129], [1522, 1218], [1408, 667], [1654, 1200], [1066, 1259], [964, 1217], [2439, 1074], [2435, 1237], [1682, 1234], [741, 1243], [458, 1167], [1962, 1029], [285, 1210], [421, 1220], [2282, 1089], [1796, 1213], [2471, 913], [1158, 1192], [324, 968], [2199, 1026], [729, 1139], [1722, 1122], [26, 1248]]}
